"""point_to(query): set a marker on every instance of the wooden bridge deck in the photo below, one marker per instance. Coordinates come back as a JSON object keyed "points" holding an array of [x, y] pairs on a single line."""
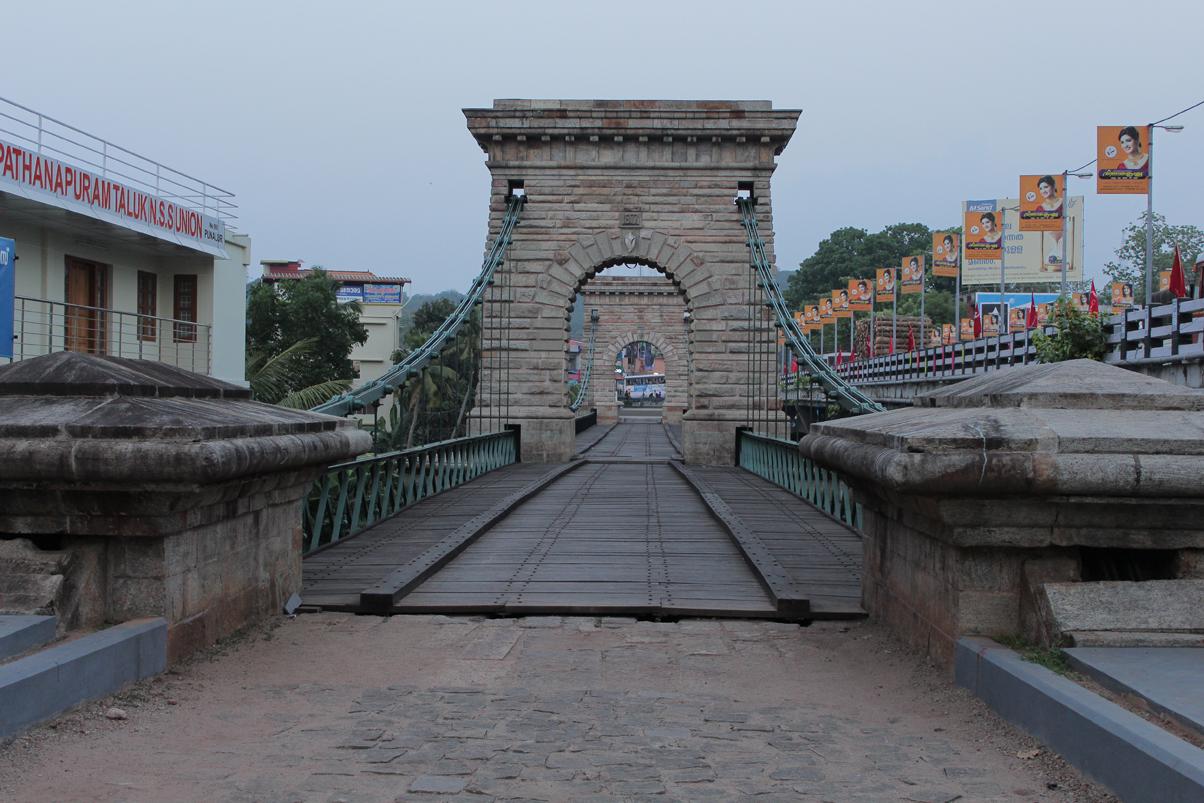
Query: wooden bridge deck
{"points": [[624, 533]]}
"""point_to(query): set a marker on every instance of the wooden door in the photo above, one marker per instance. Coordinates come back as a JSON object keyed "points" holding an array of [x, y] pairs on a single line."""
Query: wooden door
{"points": [[87, 296]]}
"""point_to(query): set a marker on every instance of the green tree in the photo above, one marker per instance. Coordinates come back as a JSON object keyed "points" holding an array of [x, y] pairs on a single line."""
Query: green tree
{"points": [[280, 316], [434, 404], [1129, 265], [852, 253]]}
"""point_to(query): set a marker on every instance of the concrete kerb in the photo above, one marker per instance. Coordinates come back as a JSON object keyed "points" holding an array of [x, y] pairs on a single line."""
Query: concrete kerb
{"points": [[1137, 760], [22, 632], [37, 687]]}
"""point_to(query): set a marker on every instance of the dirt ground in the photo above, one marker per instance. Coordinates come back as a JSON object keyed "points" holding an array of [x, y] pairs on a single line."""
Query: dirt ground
{"points": [[332, 707]]}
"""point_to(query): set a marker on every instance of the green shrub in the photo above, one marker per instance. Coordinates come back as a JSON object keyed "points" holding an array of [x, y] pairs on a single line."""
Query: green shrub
{"points": [[1077, 335]]}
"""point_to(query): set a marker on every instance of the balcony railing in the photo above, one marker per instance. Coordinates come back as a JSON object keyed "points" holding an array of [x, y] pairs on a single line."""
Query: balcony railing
{"points": [[42, 327], [43, 134]]}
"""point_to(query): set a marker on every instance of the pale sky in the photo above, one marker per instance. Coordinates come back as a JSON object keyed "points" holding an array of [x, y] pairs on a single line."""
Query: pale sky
{"points": [[338, 125]]}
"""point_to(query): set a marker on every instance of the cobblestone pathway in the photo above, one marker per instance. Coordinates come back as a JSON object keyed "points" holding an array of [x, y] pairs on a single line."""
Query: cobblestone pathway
{"points": [[335, 707]]}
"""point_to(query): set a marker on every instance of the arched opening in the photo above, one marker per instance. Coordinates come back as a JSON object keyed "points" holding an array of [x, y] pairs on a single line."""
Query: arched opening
{"points": [[639, 381], [620, 306]]}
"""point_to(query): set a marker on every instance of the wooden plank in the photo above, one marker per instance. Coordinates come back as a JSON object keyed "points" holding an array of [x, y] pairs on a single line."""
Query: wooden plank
{"points": [[786, 595], [382, 595]]}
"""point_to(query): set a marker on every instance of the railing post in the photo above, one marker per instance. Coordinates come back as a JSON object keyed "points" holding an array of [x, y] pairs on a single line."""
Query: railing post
{"points": [[1174, 328], [740, 440], [518, 440]]}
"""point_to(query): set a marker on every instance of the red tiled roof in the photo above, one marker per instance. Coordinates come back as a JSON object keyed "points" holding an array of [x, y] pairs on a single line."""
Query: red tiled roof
{"points": [[364, 276]]}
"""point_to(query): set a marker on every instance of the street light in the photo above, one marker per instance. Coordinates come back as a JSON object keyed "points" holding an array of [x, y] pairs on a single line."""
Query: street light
{"points": [[1066, 218], [1149, 208]]}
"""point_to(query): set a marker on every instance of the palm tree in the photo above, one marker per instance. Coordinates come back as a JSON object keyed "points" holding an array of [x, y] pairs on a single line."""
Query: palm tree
{"points": [[269, 375]]}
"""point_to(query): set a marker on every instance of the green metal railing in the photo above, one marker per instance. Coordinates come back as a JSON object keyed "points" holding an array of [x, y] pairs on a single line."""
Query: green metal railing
{"points": [[365, 395], [844, 394], [354, 496], [780, 462]]}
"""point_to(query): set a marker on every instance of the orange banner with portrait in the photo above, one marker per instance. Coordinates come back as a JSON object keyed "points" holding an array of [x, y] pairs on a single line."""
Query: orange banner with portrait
{"points": [[946, 250], [884, 287], [1122, 296], [983, 230], [911, 275], [861, 295], [1042, 202], [811, 319], [826, 311], [967, 329], [1122, 156], [840, 303], [947, 333]]}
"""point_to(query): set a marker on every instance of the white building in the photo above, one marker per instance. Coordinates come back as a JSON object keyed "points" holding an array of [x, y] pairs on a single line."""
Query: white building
{"points": [[116, 253]]}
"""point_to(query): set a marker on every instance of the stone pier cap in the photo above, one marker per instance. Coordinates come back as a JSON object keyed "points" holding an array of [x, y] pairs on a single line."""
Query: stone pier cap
{"points": [[81, 418], [1076, 428]]}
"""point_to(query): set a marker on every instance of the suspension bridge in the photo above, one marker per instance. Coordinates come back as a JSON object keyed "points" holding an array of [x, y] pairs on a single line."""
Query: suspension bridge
{"points": [[526, 505]]}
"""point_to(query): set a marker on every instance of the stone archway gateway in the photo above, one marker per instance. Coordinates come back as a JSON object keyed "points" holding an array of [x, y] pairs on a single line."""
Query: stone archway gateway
{"points": [[647, 182], [632, 309]]}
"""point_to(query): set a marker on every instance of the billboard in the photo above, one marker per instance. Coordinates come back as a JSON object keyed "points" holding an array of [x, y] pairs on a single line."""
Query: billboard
{"points": [[983, 225], [911, 275], [885, 285], [1016, 319], [1122, 296], [947, 334], [861, 295], [1042, 202], [826, 311], [993, 315], [840, 303], [349, 292], [1033, 257], [1164, 280], [812, 318], [8, 285], [1122, 160], [967, 328], [946, 250], [382, 294]]}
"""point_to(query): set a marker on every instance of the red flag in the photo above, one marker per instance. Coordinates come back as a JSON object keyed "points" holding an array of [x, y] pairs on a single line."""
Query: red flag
{"points": [[1178, 283], [911, 339], [1093, 301], [839, 358], [977, 322], [794, 365], [892, 343], [1030, 320]]}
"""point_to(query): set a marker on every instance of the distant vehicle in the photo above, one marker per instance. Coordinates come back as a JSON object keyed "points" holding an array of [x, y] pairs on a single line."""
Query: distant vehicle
{"points": [[643, 388]]}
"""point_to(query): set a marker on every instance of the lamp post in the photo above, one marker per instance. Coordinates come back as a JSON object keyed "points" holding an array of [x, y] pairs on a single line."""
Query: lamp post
{"points": [[1066, 219], [1149, 207], [1003, 258]]}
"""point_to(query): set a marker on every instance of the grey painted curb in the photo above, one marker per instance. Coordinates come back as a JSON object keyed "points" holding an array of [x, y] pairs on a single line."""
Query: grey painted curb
{"points": [[21, 632], [39, 686], [1136, 760]]}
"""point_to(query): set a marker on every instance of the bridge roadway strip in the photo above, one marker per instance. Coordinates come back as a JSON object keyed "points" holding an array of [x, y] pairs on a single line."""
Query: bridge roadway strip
{"points": [[625, 534]]}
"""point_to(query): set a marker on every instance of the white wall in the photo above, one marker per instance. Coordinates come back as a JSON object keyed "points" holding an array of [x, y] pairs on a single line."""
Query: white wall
{"points": [[41, 272], [230, 310]]}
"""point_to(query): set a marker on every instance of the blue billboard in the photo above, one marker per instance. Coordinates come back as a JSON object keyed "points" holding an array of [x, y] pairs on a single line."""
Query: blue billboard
{"points": [[8, 291], [350, 292], [382, 293]]}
